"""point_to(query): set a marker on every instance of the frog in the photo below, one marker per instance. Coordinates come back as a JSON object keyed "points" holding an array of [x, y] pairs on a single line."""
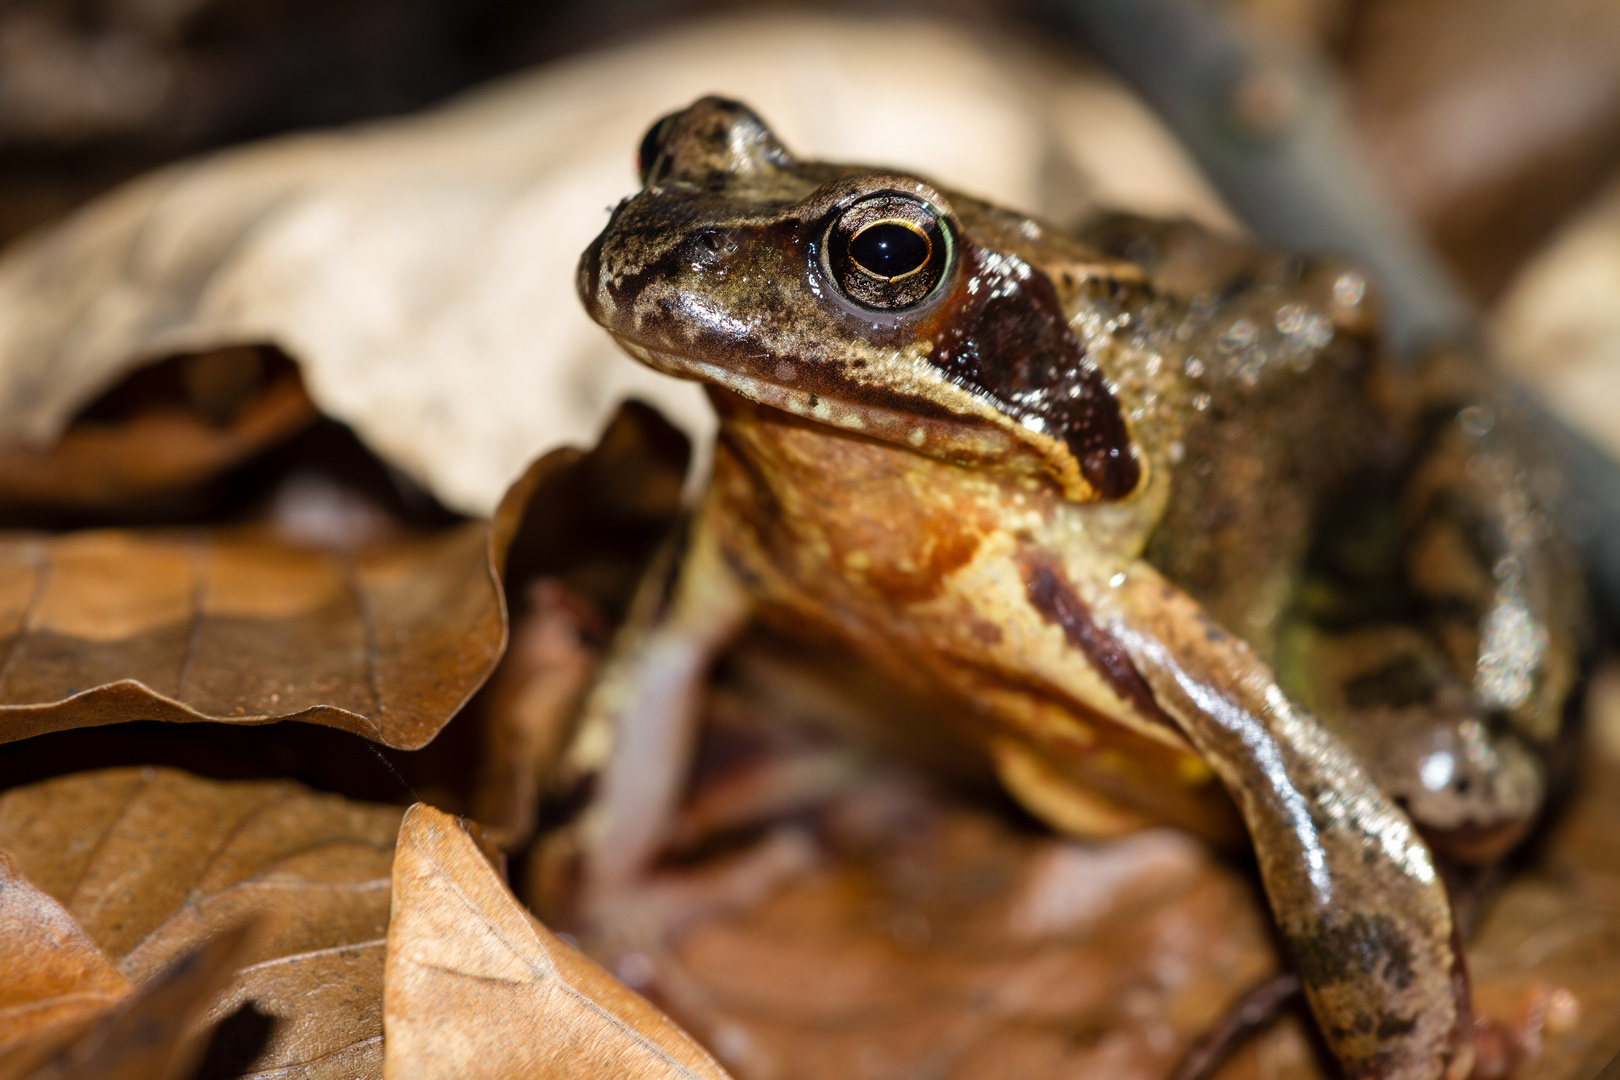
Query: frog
{"points": [[1147, 501]]}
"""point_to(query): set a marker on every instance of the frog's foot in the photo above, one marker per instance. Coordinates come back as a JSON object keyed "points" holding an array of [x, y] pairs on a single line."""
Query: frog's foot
{"points": [[639, 723], [1253, 1013], [1465, 777]]}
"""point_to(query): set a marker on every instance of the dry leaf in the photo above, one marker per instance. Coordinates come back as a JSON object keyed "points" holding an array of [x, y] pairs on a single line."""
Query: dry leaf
{"points": [[921, 933], [1558, 326], [532, 701], [151, 1035], [152, 862], [192, 419], [421, 271], [966, 950], [237, 625], [1556, 926], [476, 987], [56, 980]]}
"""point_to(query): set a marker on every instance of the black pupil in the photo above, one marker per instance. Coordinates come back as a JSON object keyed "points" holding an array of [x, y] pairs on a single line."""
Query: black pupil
{"points": [[889, 249]]}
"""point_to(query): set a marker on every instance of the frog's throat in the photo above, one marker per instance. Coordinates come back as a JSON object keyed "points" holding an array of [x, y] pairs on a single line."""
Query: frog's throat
{"points": [[968, 439]]}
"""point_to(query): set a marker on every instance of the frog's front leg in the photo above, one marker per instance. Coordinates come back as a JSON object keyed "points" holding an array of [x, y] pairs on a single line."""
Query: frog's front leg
{"points": [[1353, 888], [1501, 594], [1445, 659], [639, 722]]}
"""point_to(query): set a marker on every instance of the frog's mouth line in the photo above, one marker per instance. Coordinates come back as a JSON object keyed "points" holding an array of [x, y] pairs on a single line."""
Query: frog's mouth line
{"points": [[967, 439]]}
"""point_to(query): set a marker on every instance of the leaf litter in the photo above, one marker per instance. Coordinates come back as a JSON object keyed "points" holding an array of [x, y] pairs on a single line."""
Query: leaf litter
{"points": [[276, 618]]}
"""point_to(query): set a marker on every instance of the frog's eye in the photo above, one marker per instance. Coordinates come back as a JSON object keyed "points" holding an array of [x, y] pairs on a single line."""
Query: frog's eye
{"points": [[887, 252], [652, 146]]}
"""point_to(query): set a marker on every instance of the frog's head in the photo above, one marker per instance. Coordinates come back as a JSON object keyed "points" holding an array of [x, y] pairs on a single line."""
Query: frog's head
{"points": [[862, 298]]}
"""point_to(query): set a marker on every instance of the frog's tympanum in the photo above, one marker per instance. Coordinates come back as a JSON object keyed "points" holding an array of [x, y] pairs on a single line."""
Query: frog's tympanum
{"points": [[1143, 498]]}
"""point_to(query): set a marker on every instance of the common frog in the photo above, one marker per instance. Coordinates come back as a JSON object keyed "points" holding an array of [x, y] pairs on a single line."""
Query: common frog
{"points": [[1146, 500]]}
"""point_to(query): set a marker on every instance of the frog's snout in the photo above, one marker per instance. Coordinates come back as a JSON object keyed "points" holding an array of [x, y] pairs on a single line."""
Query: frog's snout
{"points": [[588, 279]]}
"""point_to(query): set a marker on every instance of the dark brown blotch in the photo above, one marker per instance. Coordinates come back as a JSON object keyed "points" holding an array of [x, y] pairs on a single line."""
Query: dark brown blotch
{"points": [[1352, 945], [1009, 338], [1054, 598]]}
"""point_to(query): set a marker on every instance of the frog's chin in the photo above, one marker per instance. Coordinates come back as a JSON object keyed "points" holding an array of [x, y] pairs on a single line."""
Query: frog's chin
{"points": [[968, 440]]}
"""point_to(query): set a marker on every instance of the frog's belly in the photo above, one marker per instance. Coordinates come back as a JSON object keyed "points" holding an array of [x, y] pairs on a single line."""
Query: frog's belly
{"points": [[937, 594]]}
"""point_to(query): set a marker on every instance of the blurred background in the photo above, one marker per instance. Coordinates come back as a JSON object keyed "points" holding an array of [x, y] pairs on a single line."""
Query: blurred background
{"points": [[1490, 120]]}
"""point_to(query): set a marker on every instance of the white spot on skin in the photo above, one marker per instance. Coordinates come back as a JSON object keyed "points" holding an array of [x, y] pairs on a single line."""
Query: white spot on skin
{"points": [[916, 436], [1477, 421], [1512, 644], [1240, 335], [1291, 318], [1349, 289], [1437, 770], [1117, 580]]}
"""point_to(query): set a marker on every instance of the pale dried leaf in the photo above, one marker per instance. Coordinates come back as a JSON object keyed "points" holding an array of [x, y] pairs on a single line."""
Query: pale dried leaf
{"points": [[422, 271], [152, 862], [326, 1006], [1558, 326], [477, 987]]}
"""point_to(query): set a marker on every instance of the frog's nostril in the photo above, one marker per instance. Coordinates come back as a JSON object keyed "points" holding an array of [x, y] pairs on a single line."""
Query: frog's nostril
{"points": [[712, 246]]}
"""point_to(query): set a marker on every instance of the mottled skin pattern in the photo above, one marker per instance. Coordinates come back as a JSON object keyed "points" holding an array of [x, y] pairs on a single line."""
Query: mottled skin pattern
{"points": [[1083, 487]]}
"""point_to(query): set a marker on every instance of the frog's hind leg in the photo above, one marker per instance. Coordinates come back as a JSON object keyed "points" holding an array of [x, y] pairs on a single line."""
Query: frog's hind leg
{"points": [[639, 722]]}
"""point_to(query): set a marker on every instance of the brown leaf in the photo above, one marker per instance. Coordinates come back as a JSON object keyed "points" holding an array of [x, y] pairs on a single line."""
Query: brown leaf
{"points": [[152, 862], [532, 702], [150, 1035], [1556, 927], [924, 935], [207, 413], [237, 625], [969, 951], [476, 987], [56, 979]]}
